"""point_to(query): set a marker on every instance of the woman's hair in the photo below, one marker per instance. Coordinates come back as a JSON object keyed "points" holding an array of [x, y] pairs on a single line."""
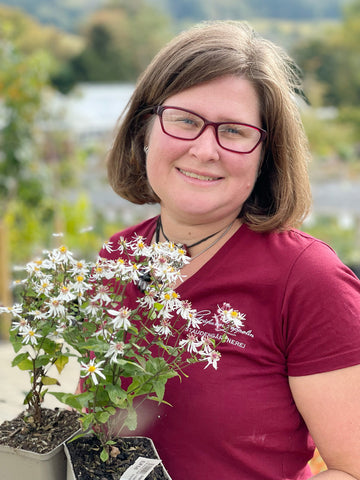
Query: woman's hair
{"points": [[281, 196]]}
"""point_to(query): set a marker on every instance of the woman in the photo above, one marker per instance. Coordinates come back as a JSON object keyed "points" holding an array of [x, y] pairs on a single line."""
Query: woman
{"points": [[212, 133]]}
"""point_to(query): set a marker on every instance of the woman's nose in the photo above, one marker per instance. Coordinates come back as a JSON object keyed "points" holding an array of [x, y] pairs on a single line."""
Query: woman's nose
{"points": [[206, 146]]}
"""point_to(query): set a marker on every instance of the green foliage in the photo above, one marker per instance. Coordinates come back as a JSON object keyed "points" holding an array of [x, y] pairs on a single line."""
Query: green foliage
{"points": [[30, 36], [22, 78], [40, 354], [329, 137], [334, 61], [114, 49], [343, 239]]}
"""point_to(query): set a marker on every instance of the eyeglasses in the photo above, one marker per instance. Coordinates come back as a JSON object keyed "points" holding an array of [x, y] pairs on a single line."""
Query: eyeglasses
{"points": [[187, 125]]}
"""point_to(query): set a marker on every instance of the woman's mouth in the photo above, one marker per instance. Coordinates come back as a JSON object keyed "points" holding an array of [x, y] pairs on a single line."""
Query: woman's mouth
{"points": [[197, 176]]}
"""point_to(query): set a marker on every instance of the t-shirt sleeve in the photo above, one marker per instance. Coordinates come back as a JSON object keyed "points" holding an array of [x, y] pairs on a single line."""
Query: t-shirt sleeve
{"points": [[321, 313]]}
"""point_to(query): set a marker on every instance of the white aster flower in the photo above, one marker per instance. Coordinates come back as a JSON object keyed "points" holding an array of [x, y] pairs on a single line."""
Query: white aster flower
{"points": [[207, 344], [122, 270], [139, 247], [211, 357], [149, 299], [121, 318], [164, 328], [116, 349], [122, 245], [44, 286], [170, 299], [227, 315], [62, 255], [34, 268], [93, 308], [79, 284], [66, 295], [193, 320], [30, 336], [22, 325], [102, 270], [55, 308], [60, 329], [37, 314], [103, 331], [80, 267], [135, 272], [92, 369], [108, 246], [192, 343], [16, 310], [102, 294]]}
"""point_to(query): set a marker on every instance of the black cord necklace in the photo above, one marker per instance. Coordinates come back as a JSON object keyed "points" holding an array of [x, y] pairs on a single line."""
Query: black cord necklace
{"points": [[159, 228]]}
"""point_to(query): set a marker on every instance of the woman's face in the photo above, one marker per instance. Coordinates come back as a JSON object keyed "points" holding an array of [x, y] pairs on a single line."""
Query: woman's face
{"points": [[198, 181]]}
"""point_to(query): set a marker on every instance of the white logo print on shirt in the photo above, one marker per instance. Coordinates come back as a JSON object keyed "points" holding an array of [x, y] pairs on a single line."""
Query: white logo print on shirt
{"points": [[209, 320]]}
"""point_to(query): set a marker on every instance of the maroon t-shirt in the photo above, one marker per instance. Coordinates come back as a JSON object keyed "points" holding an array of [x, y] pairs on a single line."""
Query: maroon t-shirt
{"points": [[302, 308]]}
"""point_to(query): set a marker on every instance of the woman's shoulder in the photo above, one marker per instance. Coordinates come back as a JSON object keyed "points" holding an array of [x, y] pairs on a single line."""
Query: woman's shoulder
{"points": [[292, 251], [287, 243]]}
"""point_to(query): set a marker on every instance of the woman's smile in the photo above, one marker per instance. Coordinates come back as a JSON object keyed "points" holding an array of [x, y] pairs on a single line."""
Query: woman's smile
{"points": [[198, 176]]}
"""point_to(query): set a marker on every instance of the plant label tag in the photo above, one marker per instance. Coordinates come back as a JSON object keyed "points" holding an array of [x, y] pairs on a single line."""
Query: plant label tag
{"points": [[140, 469]]}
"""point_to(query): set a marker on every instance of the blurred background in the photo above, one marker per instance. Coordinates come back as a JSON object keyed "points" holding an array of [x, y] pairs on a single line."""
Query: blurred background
{"points": [[67, 70]]}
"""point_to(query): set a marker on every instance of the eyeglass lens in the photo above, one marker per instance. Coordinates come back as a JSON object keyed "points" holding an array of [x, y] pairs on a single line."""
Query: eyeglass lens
{"points": [[186, 125]]}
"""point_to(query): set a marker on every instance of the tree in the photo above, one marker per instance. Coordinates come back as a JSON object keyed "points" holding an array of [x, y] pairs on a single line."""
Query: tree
{"points": [[22, 79], [115, 50], [333, 60]]}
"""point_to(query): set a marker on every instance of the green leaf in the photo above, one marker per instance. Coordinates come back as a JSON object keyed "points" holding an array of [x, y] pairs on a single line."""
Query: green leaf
{"points": [[158, 306], [158, 400], [42, 361], [87, 420], [131, 419], [104, 455], [69, 399], [116, 394], [49, 381], [61, 362], [20, 358], [25, 365], [102, 417], [49, 346], [159, 388]]}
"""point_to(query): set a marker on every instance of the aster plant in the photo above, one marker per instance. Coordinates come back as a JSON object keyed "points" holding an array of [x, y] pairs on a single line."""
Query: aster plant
{"points": [[127, 352]]}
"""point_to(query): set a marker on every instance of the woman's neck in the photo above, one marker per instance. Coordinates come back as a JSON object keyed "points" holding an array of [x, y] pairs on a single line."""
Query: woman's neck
{"points": [[188, 231], [197, 238]]}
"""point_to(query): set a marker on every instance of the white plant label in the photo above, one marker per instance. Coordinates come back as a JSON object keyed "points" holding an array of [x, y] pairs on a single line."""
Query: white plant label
{"points": [[140, 469]]}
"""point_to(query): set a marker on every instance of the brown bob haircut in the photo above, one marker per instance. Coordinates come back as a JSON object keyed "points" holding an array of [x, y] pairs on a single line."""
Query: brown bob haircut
{"points": [[281, 196]]}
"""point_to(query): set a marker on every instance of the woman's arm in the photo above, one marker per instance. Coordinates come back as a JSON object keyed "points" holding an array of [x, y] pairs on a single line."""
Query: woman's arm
{"points": [[330, 405]]}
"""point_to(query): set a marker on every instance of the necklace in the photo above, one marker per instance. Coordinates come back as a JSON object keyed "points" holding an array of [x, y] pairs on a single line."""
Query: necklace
{"points": [[159, 228]]}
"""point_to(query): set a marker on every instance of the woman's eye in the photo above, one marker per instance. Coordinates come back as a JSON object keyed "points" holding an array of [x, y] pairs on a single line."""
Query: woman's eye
{"points": [[187, 121], [231, 130], [234, 130]]}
